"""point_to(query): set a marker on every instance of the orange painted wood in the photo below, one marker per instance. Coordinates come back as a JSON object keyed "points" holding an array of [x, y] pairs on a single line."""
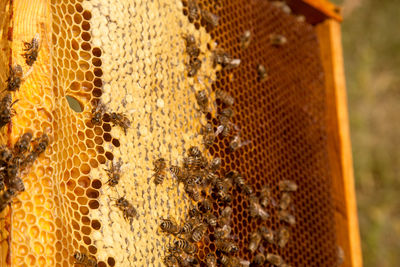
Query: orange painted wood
{"points": [[315, 11], [339, 144]]}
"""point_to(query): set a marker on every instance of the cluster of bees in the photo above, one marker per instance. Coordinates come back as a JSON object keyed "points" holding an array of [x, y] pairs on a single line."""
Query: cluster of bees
{"points": [[220, 57], [15, 79], [15, 161], [100, 114], [257, 206], [194, 13], [225, 114], [129, 212], [204, 186], [114, 175]]}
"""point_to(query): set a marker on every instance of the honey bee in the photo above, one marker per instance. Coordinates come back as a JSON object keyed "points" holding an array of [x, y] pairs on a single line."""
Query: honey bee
{"points": [[120, 120], [170, 261], [210, 18], [265, 195], [114, 173], [190, 40], [194, 213], [159, 165], [226, 246], [225, 128], [178, 173], [287, 186], [283, 236], [16, 183], [245, 39], [2, 185], [41, 144], [300, 18], [236, 262], [211, 260], [285, 216], [193, 10], [5, 155], [208, 135], [259, 259], [97, 114], [189, 261], [185, 246], [215, 164], [192, 192], [193, 163], [262, 72], [204, 206], [224, 59], [243, 263], [169, 226], [220, 185], [191, 48], [237, 143], [159, 169], [210, 178], [6, 198], [277, 39], [234, 63], [225, 217], [23, 143], [127, 208], [194, 66], [208, 139], [282, 5], [256, 210], [224, 196], [11, 173], [340, 256], [285, 201], [159, 178], [6, 110], [225, 260], [267, 234], [225, 97], [31, 50], [225, 115], [83, 259], [206, 129], [198, 232], [255, 239], [222, 232], [274, 259], [188, 226], [239, 181], [28, 160], [15, 78], [221, 57], [210, 219], [202, 100], [194, 151]]}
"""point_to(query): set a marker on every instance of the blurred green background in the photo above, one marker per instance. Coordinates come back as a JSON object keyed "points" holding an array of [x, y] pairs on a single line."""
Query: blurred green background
{"points": [[371, 43]]}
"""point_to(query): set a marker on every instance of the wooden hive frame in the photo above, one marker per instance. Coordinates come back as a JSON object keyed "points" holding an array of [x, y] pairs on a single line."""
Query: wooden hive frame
{"points": [[326, 19]]}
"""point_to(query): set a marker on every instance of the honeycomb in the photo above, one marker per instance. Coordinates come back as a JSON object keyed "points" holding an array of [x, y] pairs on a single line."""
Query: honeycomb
{"points": [[129, 56]]}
